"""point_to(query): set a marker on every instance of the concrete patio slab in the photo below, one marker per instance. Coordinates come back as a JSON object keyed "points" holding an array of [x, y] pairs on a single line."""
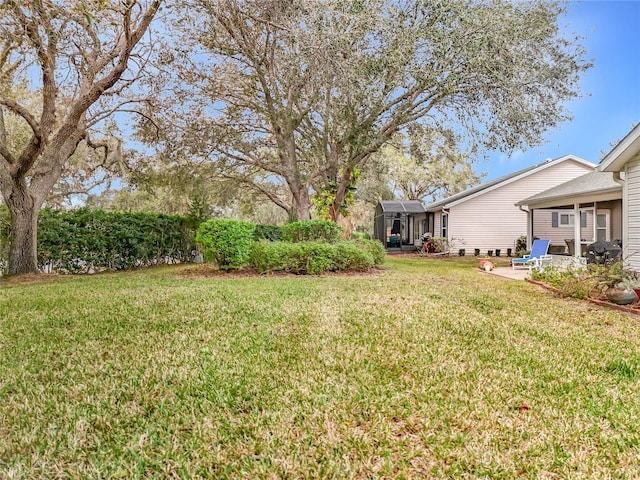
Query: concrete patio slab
{"points": [[508, 272]]}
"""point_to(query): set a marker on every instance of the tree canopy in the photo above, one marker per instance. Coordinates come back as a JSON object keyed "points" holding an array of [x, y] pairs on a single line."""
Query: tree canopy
{"points": [[302, 93]]}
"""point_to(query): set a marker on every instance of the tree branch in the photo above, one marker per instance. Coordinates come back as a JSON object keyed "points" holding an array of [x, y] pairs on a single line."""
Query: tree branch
{"points": [[21, 111]]}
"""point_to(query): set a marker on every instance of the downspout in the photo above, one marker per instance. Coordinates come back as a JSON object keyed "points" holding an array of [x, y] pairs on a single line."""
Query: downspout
{"points": [[617, 178], [529, 225], [445, 211]]}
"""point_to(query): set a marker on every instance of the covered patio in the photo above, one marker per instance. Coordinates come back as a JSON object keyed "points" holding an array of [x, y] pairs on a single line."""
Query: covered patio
{"points": [[583, 210]]}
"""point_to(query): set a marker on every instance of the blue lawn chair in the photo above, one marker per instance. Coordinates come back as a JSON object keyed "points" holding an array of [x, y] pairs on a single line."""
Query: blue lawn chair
{"points": [[536, 258]]}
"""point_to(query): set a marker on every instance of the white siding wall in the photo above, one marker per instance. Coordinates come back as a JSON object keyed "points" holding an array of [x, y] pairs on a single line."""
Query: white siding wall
{"points": [[491, 220], [437, 224], [632, 198]]}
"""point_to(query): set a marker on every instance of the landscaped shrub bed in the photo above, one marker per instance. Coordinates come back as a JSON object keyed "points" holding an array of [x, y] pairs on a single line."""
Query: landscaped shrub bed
{"points": [[314, 257], [311, 231], [310, 247], [87, 240], [273, 233], [590, 282]]}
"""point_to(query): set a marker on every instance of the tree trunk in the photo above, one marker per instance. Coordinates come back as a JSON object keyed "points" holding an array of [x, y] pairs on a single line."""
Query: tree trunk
{"points": [[302, 204], [347, 226], [24, 210]]}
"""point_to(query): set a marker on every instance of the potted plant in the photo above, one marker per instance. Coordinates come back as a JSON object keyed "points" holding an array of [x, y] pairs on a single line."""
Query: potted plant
{"points": [[617, 284], [623, 292], [497, 252]]}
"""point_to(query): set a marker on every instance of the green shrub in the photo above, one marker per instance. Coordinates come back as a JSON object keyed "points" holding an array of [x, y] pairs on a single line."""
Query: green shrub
{"points": [[273, 233], [574, 283], [521, 245], [349, 256], [85, 240], [375, 248], [360, 236], [317, 257], [227, 242], [269, 257], [311, 231], [310, 258]]}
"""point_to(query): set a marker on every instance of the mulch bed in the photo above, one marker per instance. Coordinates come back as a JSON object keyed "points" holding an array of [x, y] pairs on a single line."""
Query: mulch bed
{"points": [[603, 301], [209, 270], [28, 279]]}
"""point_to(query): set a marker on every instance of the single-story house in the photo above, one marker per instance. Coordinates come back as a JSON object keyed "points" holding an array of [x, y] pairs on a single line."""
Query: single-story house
{"points": [[398, 224], [623, 161], [486, 217], [595, 198]]}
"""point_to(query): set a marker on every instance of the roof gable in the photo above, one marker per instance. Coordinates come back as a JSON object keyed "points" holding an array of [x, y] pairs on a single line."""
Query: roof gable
{"points": [[502, 181], [590, 185], [624, 151]]}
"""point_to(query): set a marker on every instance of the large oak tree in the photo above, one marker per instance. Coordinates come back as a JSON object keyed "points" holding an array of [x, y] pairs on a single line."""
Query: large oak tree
{"points": [[303, 92], [83, 59]]}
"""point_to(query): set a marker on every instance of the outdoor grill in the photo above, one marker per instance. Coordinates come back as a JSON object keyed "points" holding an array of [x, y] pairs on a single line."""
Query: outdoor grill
{"points": [[601, 252]]}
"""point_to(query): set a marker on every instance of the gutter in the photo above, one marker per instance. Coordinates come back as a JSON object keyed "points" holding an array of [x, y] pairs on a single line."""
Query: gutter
{"points": [[618, 178]]}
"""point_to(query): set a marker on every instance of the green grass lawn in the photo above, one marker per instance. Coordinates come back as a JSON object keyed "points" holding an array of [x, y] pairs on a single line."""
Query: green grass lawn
{"points": [[428, 368]]}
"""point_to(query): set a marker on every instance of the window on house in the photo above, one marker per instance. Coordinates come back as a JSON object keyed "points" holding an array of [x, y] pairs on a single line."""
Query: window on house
{"points": [[445, 225], [566, 219]]}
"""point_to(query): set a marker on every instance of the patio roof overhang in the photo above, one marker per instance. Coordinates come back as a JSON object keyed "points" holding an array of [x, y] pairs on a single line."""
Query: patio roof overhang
{"points": [[592, 187], [568, 201]]}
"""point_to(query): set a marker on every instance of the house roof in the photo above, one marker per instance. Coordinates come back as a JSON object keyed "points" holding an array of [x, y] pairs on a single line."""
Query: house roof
{"points": [[624, 151], [499, 182], [402, 206], [593, 186]]}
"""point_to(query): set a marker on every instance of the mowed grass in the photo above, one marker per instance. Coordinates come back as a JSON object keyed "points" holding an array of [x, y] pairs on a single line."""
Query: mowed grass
{"points": [[427, 369]]}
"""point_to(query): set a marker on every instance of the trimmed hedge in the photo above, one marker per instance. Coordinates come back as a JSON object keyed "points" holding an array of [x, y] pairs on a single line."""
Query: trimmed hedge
{"points": [[310, 258], [85, 240], [311, 231], [227, 242], [273, 233], [94, 240], [360, 236], [374, 247]]}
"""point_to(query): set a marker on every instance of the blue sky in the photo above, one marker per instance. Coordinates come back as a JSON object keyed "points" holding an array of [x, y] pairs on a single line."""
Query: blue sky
{"points": [[610, 105]]}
